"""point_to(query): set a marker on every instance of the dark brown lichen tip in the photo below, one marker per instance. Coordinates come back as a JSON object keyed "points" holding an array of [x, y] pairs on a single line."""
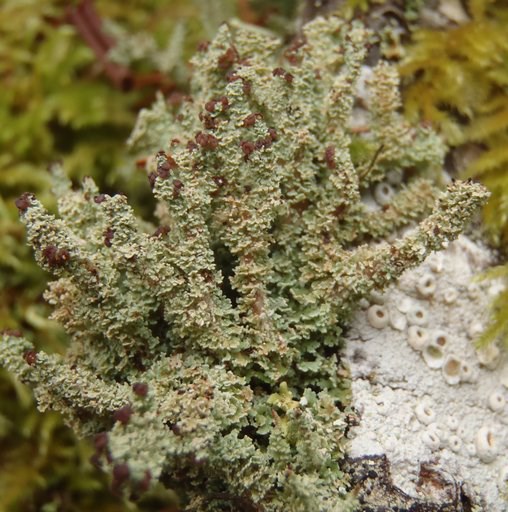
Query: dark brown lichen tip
{"points": [[30, 357], [140, 389], [123, 415], [101, 442], [55, 257], [109, 234], [100, 198], [161, 231], [24, 201], [121, 474]]}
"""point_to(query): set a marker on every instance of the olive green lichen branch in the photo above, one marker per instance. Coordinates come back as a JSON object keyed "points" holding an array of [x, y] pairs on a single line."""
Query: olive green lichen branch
{"points": [[204, 354]]}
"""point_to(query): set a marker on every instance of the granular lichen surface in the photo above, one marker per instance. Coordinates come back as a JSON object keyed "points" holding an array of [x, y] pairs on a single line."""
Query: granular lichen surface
{"points": [[204, 351]]}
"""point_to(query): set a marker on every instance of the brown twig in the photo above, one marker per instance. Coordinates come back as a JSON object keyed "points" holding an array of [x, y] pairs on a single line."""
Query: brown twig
{"points": [[93, 18], [89, 26]]}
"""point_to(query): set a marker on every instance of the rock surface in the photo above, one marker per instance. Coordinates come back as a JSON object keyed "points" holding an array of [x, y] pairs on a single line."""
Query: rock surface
{"points": [[427, 399]]}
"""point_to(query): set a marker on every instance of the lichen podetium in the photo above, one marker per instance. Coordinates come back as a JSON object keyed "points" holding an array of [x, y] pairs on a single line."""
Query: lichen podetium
{"points": [[204, 355]]}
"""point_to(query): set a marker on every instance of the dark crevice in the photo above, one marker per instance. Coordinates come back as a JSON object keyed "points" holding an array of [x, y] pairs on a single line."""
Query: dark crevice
{"points": [[251, 432], [158, 325], [260, 387], [226, 263]]}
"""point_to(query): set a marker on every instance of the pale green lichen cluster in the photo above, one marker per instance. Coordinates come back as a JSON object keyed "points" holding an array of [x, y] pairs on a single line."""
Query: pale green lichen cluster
{"points": [[208, 350]]}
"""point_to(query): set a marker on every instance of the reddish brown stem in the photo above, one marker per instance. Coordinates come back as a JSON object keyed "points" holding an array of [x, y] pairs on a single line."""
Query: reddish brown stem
{"points": [[89, 26]]}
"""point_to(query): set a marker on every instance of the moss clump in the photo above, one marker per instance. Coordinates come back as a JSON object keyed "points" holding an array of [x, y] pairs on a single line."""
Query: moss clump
{"points": [[457, 78]]}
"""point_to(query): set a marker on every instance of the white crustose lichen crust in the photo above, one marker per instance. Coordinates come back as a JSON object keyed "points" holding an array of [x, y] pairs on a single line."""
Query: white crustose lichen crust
{"points": [[448, 405]]}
